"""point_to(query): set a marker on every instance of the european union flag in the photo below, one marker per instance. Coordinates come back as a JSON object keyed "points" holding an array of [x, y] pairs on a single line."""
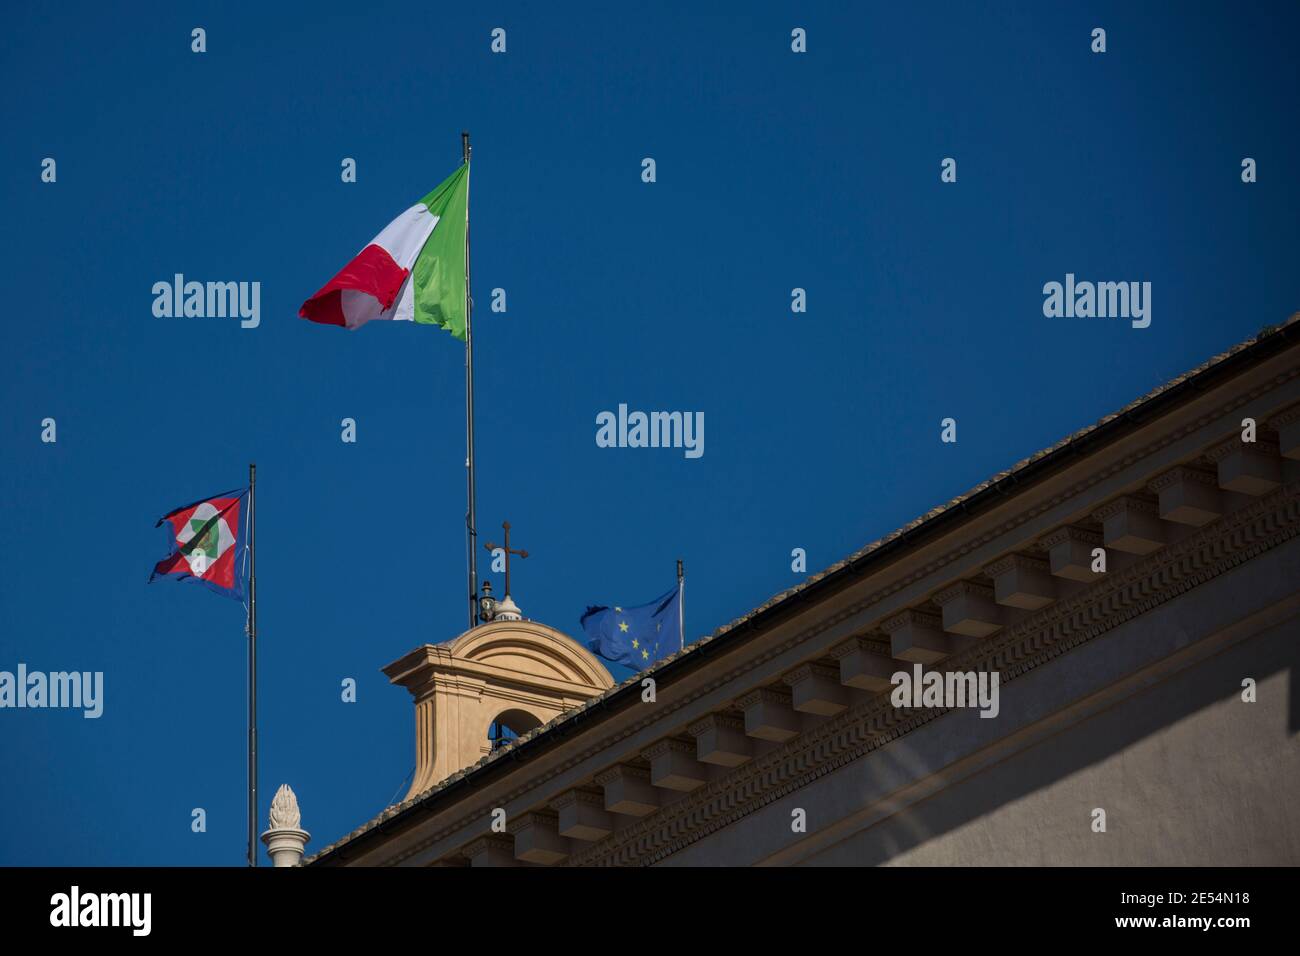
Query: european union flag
{"points": [[635, 636]]}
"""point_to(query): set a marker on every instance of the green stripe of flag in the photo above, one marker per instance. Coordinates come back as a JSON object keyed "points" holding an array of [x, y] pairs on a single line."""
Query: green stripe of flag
{"points": [[439, 272]]}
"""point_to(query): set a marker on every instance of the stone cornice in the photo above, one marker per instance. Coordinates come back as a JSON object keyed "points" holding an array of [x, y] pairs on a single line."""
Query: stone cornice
{"points": [[1091, 479], [473, 676], [1183, 473], [1222, 450], [1109, 603], [1014, 560], [532, 818], [620, 770], [492, 842], [962, 587], [1126, 503], [1287, 416], [708, 721], [591, 798], [811, 669], [669, 744], [1069, 533], [860, 643], [766, 695], [999, 641], [910, 616]]}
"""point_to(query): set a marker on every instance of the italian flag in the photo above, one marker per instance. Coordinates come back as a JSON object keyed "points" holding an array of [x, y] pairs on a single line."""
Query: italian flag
{"points": [[413, 271]]}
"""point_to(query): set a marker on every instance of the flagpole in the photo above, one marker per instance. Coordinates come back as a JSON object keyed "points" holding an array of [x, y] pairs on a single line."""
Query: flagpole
{"points": [[681, 603], [471, 525], [252, 666]]}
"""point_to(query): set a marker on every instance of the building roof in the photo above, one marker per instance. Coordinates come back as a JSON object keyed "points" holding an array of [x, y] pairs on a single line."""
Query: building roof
{"points": [[1268, 342]]}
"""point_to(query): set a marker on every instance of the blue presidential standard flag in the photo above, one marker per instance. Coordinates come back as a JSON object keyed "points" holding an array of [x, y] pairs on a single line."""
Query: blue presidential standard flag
{"points": [[636, 636]]}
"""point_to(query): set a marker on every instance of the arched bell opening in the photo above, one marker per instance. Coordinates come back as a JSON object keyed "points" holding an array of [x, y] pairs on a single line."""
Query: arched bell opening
{"points": [[509, 726]]}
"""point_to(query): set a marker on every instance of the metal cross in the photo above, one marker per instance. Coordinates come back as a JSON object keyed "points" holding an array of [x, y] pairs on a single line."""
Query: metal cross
{"points": [[508, 551]]}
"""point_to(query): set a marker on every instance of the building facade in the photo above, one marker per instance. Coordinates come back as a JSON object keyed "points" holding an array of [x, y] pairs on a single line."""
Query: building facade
{"points": [[1135, 590]]}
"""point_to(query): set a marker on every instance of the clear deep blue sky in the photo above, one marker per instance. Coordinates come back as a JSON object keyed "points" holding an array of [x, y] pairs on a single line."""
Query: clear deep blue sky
{"points": [[775, 170]]}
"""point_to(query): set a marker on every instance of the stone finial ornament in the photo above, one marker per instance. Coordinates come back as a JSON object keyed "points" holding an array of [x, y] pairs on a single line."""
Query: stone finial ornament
{"points": [[285, 814], [286, 840]]}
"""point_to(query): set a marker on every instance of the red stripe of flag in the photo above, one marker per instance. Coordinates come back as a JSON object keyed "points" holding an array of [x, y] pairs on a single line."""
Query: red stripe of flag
{"points": [[373, 272]]}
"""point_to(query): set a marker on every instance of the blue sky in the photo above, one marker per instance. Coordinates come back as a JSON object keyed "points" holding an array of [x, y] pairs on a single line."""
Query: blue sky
{"points": [[774, 170]]}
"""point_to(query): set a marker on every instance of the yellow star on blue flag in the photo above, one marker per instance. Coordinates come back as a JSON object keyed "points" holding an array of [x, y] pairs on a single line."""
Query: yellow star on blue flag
{"points": [[636, 637]]}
